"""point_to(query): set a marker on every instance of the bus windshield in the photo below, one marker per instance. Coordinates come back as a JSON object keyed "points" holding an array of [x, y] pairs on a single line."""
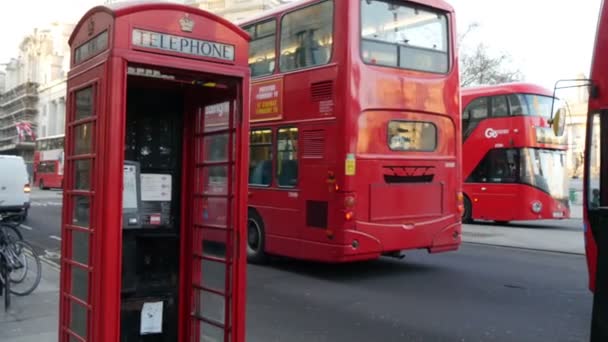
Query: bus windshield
{"points": [[546, 170], [404, 36], [534, 105]]}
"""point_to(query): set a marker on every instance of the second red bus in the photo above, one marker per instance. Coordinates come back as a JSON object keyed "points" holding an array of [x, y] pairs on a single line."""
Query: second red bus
{"points": [[514, 166]]}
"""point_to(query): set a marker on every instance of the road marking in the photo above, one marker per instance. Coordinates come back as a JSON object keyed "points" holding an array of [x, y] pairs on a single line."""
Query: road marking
{"points": [[55, 237], [26, 227]]}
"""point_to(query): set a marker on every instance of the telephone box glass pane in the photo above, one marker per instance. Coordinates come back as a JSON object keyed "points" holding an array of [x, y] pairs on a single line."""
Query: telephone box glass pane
{"points": [[212, 180], [80, 247], [213, 275], [82, 174], [210, 333], [211, 212], [81, 216], [83, 139], [212, 306], [215, 148], [216, 117], [84, 103], [213, 245], [80, 283], [78, 319]]}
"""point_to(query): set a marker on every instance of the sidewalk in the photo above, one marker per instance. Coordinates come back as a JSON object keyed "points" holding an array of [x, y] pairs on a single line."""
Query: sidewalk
{"points": [[529, 236], [33, 318]]}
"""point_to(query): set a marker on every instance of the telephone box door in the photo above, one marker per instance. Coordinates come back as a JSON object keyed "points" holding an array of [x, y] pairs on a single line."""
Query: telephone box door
{"points": [[218, 264], [79, 230]]}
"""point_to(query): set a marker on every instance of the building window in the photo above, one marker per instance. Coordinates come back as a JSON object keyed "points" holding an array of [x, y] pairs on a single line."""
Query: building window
{"points": [[287, 157], [262, 50], [307, 36], [260, 160]]}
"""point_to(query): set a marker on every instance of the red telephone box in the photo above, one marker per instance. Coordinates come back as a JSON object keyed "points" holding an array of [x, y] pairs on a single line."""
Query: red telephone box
{"points": [[155, 177]]}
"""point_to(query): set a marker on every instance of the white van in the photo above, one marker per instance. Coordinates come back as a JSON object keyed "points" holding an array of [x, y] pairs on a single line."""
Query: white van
{"points": [[14, 185]]}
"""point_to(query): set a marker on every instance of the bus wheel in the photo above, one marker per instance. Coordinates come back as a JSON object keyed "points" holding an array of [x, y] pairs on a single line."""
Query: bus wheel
{"points": [[255, 238], [41, 185], [502, 223], [467, 214]]}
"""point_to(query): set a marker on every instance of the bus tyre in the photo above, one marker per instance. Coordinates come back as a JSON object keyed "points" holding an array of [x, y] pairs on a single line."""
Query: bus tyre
{"points": [[255, 238], [502, 223], [41, 185], [467, 214]]}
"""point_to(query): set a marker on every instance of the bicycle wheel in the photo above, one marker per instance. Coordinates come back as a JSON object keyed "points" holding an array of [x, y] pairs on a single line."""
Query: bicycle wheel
{"points": [[6, 286], [28, 270], [12, 231]]}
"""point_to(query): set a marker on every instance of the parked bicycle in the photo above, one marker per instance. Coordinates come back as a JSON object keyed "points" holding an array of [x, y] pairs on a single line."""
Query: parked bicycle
{"points": [[12, 223], [20, 267]]}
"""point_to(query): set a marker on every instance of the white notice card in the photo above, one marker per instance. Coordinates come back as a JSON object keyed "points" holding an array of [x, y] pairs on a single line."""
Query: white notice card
{"points": [[129, 190], [155, 187], [151, 318]]}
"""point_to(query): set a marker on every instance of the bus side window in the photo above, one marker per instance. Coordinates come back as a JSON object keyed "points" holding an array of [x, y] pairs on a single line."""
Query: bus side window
{"points": [[307, 36], [474, 113], [499, 106], [260, 161], [594, 196], [262, 51], [518, 105], [287, 157]]}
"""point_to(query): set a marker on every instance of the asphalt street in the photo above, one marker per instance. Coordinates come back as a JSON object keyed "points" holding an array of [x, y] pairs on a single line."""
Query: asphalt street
{"points": [[480, 293]]}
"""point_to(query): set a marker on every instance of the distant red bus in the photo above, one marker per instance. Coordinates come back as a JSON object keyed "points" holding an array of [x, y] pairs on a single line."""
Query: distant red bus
{"points": [[48, 162], [514, 166], [355, 140], [596, 182]]}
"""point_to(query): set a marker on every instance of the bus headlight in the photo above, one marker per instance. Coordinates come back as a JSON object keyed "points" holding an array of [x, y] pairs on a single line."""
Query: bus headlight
{"points": [[537, 207]]}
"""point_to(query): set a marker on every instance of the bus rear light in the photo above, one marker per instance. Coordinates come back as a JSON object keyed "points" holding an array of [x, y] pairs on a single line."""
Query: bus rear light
{"points": [[349, 202], [461, 209], [336, 187], [27, 188], [349, 215]]}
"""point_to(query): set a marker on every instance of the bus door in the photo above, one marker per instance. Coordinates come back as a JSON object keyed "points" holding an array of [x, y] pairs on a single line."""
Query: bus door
{"points": [[596, 198], [491, 185]]}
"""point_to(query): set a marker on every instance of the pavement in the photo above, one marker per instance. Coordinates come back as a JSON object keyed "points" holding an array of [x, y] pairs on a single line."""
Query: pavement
{"points": [[33, 318]]}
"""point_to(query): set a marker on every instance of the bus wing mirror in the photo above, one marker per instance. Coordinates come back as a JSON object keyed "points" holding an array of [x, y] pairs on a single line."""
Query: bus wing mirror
{"points": [[558, 122]]}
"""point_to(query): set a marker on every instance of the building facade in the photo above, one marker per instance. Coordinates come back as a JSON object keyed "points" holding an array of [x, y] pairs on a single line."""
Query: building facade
{"points": [[235, 10], [39, 69]]}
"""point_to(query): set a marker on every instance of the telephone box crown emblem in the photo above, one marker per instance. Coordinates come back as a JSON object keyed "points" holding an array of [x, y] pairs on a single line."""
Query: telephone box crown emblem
{"points": [[186, 23]]}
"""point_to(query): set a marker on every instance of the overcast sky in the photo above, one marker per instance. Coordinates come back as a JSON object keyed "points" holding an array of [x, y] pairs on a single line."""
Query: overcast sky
{"points": [[547, 39]]}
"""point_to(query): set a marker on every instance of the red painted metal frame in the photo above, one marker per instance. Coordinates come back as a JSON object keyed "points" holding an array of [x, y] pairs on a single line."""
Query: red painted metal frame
{"points": [[522, 133], [109, 70], [597, 104], [372, 94]]}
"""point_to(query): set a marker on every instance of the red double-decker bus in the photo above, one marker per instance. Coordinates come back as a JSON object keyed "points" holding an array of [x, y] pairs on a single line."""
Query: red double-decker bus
{"points": [[48, 162], [596, 182], [355, 140], [514, 166]]}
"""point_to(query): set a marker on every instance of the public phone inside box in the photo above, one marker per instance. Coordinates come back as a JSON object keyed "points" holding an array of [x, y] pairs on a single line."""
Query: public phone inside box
{"points": [[151, 208]]}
